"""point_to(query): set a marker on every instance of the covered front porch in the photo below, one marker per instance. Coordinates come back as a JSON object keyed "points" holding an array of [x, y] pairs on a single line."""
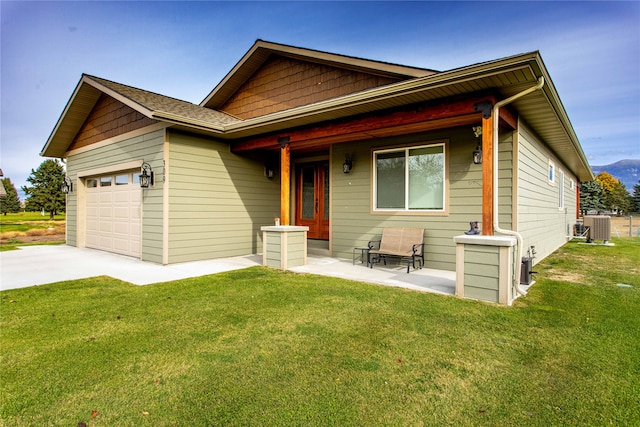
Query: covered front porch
{"points": [[425, 279]]}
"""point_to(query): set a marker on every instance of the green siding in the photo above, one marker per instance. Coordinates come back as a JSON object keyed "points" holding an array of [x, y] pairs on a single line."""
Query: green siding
{"points": [[295, 249], [217, 200], [540, 221], [481, 272], [146, 147], [353, 224]]}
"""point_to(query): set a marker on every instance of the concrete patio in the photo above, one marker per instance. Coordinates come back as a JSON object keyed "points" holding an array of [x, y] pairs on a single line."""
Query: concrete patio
{"points": [[38, 265], [425, 279]]}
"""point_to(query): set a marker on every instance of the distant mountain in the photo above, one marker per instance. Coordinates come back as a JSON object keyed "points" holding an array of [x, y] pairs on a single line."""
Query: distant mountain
{"points": [[627, 171]]}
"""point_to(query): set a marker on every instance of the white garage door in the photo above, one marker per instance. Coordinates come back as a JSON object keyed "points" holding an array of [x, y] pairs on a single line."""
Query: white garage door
{"points": [[113, 213]]}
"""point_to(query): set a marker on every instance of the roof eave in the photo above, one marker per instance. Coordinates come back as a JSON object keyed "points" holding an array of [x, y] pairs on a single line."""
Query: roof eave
{"points": [[262, 50], [406, 92], [72, 117]]}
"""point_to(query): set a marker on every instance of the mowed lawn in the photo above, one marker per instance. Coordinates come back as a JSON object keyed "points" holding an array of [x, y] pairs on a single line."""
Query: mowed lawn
{"points": [[259, 347]]}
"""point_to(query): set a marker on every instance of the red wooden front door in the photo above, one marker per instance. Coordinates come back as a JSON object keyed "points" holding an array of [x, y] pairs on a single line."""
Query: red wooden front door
{"points": [[312, 199]]}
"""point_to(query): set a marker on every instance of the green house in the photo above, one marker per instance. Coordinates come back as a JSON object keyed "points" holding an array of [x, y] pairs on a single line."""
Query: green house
{"points": [[338, 146]]}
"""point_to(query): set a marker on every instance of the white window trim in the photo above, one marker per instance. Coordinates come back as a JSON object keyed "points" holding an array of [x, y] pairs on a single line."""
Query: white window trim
{"points": [[406, 210]]}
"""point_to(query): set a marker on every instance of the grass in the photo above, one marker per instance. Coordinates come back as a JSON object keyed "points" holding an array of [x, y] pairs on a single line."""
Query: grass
{"points": [[28, 216], [15, 226], [263, 347]]}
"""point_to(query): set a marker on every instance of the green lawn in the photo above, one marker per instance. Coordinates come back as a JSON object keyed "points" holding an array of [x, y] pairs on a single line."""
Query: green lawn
{"points": [[21, 217], [262, 347], [25, 221]]}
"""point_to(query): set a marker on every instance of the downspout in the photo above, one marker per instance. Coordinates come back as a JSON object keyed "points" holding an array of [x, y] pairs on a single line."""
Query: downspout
{"points": [[496, 225]]}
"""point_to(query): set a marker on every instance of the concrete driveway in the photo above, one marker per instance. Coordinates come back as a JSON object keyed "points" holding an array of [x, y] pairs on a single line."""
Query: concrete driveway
{"points": [[38, 265]]}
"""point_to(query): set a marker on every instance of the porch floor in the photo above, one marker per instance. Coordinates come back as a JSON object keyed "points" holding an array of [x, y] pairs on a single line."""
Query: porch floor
{"points": [[425, 279]]}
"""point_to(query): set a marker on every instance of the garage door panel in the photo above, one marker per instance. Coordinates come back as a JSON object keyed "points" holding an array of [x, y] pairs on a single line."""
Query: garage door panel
{"points": [[121, 212], [114, 215]]}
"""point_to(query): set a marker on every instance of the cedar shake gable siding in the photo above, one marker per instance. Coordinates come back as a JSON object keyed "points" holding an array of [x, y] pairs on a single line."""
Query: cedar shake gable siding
{"points": [[107, 119], [282, 83]]}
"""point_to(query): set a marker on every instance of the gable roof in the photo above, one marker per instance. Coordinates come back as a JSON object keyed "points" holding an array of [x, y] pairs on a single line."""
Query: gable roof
{"points": [[542, 110], [150, 104], [262, 50]]}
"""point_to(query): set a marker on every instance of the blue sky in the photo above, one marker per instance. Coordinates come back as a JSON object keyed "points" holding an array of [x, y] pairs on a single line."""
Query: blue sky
{"points": [[183, 49]]}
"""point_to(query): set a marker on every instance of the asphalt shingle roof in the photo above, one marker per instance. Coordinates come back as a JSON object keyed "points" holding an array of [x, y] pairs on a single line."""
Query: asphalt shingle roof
{"points": [[161, 103]]}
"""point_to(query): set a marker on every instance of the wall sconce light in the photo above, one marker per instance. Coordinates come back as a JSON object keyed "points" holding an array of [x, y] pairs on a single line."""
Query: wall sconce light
{"points": [[269, 172], [67, 186], [347, 165], [146, 177], [477, 153]]}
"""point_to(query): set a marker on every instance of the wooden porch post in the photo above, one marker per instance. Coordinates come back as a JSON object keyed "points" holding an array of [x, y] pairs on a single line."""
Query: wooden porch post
{"points": [[285, 182], [487, 175]]}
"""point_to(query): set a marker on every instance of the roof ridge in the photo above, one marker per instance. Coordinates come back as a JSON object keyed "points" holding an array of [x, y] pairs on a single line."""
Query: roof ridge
{"points": [[137, 88], [359, 58]]}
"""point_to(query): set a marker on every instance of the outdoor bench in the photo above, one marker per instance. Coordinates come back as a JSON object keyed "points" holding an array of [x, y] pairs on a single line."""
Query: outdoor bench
{"points": [[405, 243]]}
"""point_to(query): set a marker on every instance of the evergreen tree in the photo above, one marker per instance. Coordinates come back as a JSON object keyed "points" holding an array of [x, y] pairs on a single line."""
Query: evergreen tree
{"points": [[45, 193], [636, 197], [591, 197], [621, 199], [11, 202]]}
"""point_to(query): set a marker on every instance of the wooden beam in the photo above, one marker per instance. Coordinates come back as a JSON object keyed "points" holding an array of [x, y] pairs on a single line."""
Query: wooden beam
{"points": [[487, 176], [285, 184], [508, 118], [360, 128]]}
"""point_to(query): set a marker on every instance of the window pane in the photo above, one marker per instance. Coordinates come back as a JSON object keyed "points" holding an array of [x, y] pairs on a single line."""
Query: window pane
{"points": [[136, 178], [390, 189], [426, 178], [122, 179], [308, 193], [105, 181], [92, 183], [326, 192]]}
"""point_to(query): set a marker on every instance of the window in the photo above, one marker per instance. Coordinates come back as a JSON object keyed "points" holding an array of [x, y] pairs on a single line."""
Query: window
{"points": [[560, 190], [410, 179], [105, 181], [92, 183], [552, 172], [122, 179]]}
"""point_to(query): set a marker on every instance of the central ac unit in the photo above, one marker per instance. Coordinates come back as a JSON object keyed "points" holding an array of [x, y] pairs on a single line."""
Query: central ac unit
{"points": [[599, 227]]}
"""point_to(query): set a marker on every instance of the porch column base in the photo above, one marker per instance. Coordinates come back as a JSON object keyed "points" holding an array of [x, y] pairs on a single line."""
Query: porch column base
{"points": [[284, 246], [484, 267]]}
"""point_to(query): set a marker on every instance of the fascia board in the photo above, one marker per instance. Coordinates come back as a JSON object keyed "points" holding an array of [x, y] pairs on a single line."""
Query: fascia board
{"points": [[232, 72], [62, 119], [554, 99], [118, 96], [403, 88], [268, 49], [180, 120]]}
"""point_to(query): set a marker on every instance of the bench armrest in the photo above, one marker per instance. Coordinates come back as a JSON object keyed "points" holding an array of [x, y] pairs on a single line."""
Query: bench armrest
{"points": [[374, 244], [418, 249]]}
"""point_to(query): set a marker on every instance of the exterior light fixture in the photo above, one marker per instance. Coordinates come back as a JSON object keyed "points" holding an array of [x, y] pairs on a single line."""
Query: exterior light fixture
{"points": [[347, 165], [146, 177], [477, 153], [269, 172], [67, 186]]}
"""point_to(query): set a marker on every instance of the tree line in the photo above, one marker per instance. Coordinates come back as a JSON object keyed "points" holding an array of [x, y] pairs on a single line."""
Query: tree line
{"points": [[608, 194], [44, 193]]}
